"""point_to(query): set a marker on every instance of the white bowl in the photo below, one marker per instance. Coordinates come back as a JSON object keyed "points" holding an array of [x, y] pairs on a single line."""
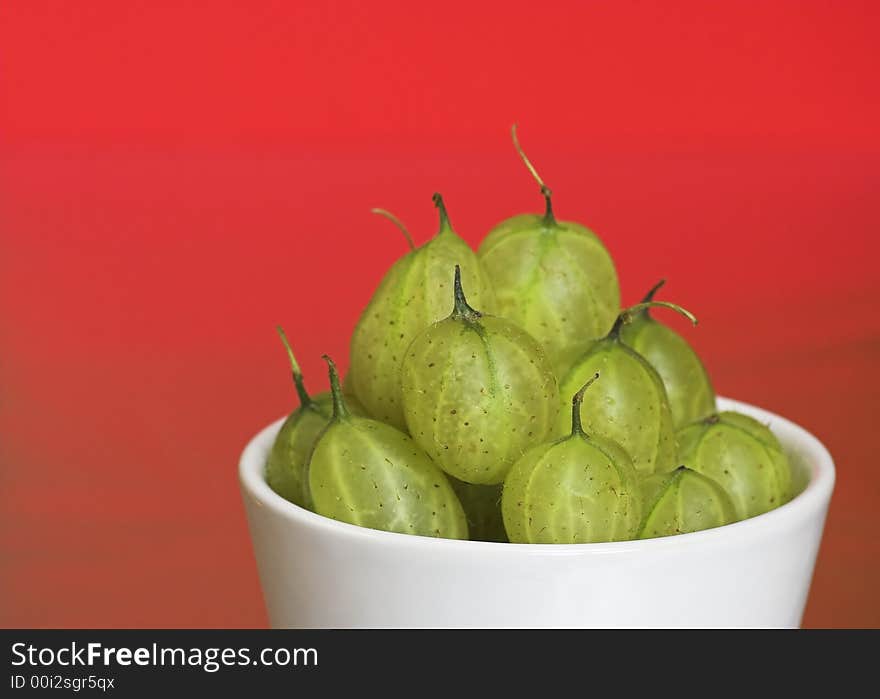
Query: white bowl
{"points": [[316, 572]]}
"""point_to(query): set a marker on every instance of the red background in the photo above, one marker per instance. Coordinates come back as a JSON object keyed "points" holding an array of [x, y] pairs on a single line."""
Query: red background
{"points": [[175, 178]]}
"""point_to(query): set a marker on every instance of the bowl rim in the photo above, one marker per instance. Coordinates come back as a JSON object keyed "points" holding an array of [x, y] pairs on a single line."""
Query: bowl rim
{"points": [[811, 502]]}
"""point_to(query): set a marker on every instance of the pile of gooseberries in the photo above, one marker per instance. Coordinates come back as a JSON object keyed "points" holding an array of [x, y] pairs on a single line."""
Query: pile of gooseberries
{"points": [[505, 395]]}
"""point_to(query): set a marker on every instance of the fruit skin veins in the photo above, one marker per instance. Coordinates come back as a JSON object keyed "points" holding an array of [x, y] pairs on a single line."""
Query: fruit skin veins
{"points": [[288, 458], [410, 297], [579, 489], [555, 279], [683, 501], [367, 473], [482, 507], [477, 392], [741, 455], [687, 383], [629, 405]]}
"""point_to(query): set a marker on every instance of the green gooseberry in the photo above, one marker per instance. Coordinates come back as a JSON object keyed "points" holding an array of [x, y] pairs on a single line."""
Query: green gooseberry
{"points": [[482, 507], [288, 458], [477, 392], [743, 456], [406, 302], [577, 490], [683, 501], [687, 383], [367, 473], [555, 279], [629, 405]]}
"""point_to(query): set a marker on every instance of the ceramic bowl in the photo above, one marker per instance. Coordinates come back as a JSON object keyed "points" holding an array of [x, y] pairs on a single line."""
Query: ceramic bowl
{"points": [[316, 572]]}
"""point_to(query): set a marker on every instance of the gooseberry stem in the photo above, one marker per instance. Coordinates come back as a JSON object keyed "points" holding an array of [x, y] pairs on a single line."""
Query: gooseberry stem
{"points": [[340, 410], [650, 297], [397, 222], [547, 193], [654, 289], [304, 397], [576, 427], [627, 315], [462, 309], [444, 216]]}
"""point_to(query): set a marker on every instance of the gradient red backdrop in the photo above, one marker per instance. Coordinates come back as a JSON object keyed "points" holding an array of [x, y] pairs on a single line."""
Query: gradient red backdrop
{"points": [[175, 178]]}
